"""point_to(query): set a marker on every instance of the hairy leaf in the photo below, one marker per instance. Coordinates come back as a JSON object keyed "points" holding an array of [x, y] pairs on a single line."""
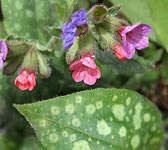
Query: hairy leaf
{"points": [[108, 119], [27, 19]]}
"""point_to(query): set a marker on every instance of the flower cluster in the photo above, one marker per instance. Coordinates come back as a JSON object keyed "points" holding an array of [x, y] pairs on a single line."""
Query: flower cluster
{"points": [[70, 28], [122, 41], [129, 38]]}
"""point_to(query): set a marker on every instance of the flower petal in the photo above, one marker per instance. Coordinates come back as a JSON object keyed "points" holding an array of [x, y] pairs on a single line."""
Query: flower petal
{"points": [[88, 61], [1, 63], [79, 17], [143, 43], [75, 65], [68, 44], [89, 79], [129, 28], [79, 74], [128, 49]]}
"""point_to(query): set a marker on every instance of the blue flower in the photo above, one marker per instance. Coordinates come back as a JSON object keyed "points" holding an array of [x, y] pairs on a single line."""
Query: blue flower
{"points": [[69, 34], [79, 17], [70, 28]]}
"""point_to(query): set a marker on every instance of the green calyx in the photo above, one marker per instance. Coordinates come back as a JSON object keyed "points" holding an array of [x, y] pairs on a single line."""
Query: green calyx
{"points": [[98, 13], [80, 47], [30, 60], [44, 69]]}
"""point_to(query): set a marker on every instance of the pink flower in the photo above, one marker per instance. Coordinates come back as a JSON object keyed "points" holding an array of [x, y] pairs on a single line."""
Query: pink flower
{"points": [[134, 37], [85, 69], [119, 52], [26, 80]]}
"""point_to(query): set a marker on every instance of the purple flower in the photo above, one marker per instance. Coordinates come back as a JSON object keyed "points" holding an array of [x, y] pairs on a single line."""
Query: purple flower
{"points": [[69, 34], [134, 37], [79, 17], [3, 52]]}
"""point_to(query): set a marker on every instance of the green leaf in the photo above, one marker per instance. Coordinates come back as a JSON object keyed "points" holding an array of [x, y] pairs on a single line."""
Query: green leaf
{"points": [[138, 10], [27, 19], [54, 31], [68, 6], [113, 11], [131, 66], [108, 119], [31, 143], [159, 15]]}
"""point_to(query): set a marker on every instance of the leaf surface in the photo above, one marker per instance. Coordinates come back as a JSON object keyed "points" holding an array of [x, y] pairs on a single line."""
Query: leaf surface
{"points": [[108, 119]]}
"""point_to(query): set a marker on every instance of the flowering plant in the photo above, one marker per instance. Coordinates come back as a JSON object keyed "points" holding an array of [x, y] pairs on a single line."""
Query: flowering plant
{"points": [[53, 48]]}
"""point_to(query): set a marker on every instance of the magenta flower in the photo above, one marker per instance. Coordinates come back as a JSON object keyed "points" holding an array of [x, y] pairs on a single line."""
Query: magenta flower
{"points": [[134, 37], [85, 69], [3, 52]]}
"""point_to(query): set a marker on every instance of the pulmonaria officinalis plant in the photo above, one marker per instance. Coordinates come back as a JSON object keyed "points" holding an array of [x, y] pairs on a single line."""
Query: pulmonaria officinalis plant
{"points": [[110, 32], [87, 46]]}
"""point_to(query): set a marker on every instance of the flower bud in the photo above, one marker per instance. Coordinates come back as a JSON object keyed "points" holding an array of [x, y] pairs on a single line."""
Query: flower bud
{"points": [[44, 69], [30, 61], [98, 13]]}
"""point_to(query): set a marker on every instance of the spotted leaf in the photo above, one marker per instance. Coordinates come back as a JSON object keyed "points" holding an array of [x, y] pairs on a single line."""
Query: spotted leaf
{"points": [[28, 18], [100, 119]]}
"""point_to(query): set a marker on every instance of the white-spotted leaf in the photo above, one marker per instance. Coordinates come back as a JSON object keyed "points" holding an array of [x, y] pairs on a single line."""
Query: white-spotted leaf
{"points": [[100, 119]]}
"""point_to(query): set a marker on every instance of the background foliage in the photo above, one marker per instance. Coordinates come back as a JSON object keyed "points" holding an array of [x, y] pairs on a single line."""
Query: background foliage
{"points": [[30, 21]]}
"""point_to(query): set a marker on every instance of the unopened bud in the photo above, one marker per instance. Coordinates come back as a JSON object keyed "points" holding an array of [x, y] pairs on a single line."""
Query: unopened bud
{"points": [[119, 52], [98, 13], [44, 69]]}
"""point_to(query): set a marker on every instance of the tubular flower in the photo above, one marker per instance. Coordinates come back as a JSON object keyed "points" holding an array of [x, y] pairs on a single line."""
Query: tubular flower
{"points": [[3, 52], [85, 69], [26, 80], [134, 37], [119, 52], [70, 28]]}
